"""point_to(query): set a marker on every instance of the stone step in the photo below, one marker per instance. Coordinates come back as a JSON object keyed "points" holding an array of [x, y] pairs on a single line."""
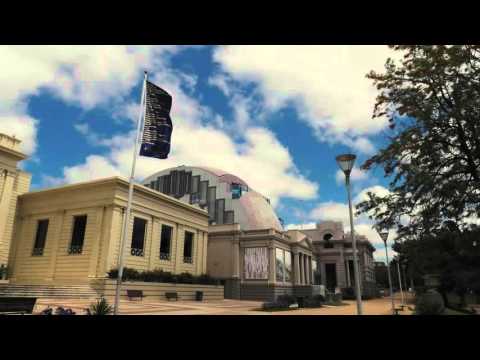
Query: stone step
{"points": [[48, 291]]}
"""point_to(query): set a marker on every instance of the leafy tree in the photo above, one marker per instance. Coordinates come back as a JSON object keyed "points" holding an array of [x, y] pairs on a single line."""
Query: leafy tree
{"points": [[454, 255], [431, 98]]}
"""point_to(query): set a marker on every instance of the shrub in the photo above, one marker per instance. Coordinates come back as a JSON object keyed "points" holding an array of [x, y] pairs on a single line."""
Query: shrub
{"points": [[101, 307], [158, 275], [128, 274], [185, 278], [271, 306], [430, 303], [62, 311], [47, 311], [313, 302], [286, 299], [58, 311], [206, 279]]}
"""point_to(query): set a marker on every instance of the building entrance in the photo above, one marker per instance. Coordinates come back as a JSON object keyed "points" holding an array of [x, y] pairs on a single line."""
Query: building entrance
{"points": [[331, 276]]}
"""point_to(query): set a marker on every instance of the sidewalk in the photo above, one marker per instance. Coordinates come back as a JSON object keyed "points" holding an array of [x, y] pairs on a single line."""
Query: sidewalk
{"points": [[225, 307]]}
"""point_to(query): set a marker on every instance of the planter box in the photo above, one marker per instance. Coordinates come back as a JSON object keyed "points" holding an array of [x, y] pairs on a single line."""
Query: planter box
{"points": [[156, 291]]}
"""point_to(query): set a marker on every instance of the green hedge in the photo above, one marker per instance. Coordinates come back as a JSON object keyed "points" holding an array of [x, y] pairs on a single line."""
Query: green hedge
{"points": [[158, 275]]}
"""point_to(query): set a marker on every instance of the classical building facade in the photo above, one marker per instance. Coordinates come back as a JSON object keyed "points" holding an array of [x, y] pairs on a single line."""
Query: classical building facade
{"points": [[334, 255], [13, 182], [71, 234], [260, 264], [247, 245]]}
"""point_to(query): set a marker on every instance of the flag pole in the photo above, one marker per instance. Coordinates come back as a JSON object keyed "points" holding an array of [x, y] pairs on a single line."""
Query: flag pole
{"points": [[126, 219]]}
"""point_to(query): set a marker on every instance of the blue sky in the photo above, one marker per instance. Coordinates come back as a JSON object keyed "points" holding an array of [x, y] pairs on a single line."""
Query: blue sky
{"points": [[274, 115]]}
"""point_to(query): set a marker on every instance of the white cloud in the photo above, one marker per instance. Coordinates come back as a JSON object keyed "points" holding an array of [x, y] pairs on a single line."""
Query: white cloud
{"points": [[336, 211], [331, 211], [23, 127], [307, 226], [259, 158], [102, 76], [86, 76], [221, 82], [326, 84]]}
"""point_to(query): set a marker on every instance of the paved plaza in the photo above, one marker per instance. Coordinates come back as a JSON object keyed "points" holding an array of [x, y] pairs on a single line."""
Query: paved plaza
{"points": [[222, 307]]}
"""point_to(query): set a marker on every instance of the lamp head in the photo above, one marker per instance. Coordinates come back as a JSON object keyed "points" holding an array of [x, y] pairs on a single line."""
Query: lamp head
{"points": [[382, 232], [346, 162]]}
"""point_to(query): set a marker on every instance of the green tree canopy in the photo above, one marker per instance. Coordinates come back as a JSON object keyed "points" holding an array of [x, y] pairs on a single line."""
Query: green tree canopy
{"points": [[431, 98]]}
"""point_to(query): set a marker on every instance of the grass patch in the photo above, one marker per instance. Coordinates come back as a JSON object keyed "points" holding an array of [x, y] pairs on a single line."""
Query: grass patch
{"points": [[449, 311]]}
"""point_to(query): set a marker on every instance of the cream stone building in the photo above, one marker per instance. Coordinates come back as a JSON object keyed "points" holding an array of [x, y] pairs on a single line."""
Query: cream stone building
{"points": [[71, 234], [334, 254], [13, 182]]}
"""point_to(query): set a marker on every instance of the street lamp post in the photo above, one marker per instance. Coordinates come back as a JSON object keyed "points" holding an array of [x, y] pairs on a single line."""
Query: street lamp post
{"points": [[346, 162], [400, 281], [384, 235]]}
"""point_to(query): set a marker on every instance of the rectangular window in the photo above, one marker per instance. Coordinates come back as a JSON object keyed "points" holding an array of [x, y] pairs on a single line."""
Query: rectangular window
{"points": [[160, 183], [175, 182], [236, 190], [40, 237], [165, 242], [188, 248], [78, 234], [219, 211], [138, 236], [229, 217], [195, 184], [188, 182], [167, 179], [328, 245], [211, 196], [203, 192]]}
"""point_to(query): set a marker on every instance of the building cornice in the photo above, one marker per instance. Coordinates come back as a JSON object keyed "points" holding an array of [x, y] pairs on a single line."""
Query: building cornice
{"points": [[17, 155], [119, 182]]}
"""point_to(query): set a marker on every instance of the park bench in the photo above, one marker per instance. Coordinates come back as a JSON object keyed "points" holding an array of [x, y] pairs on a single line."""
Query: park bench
{"points": [[16, 305], [171, 295], [133, 294]]}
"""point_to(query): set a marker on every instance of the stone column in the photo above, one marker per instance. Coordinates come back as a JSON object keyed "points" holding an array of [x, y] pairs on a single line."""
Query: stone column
{"points": [[179, 239], [305, 269], [343, 279], [205, 252], [97, 242], [271, 267], [236, 258], [59, 223], [322, 273], [302, 273], [296, 268], [6, 197], [346, 263], [312, 277]]}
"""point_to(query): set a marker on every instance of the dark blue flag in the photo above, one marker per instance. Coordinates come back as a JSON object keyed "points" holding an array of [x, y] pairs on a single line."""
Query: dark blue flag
{"points": [[157, 128]]}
